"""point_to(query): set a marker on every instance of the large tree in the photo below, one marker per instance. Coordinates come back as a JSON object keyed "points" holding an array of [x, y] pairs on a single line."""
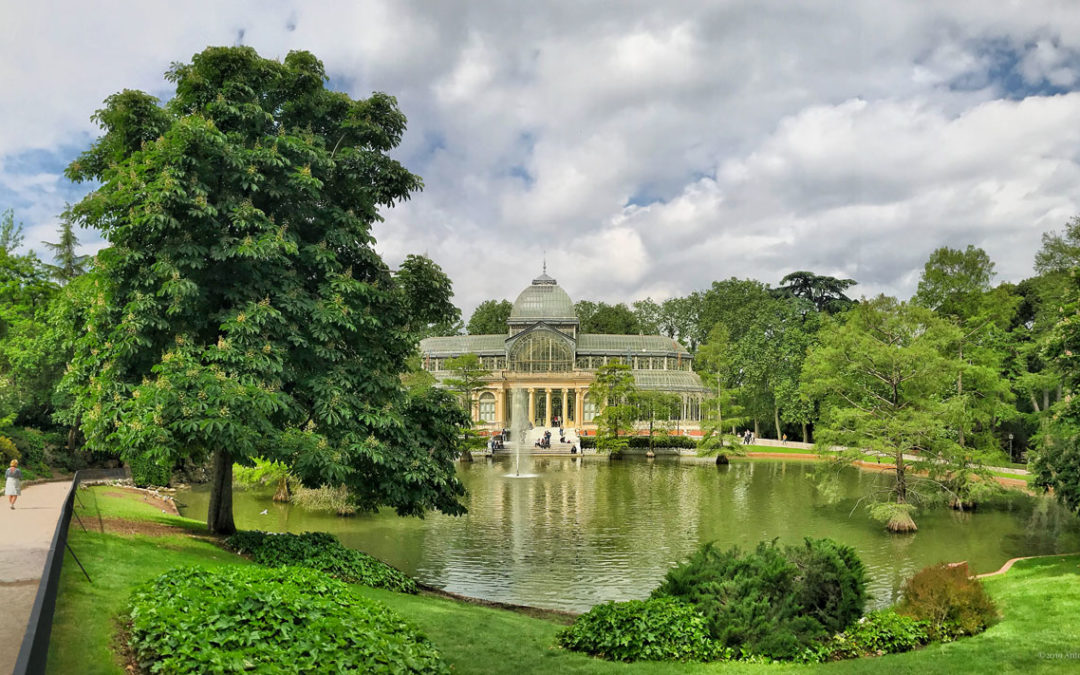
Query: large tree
{"points": [[1057, 462], [600, 317], [880, 373], [243, 310], [427, 292], [955, 284], [490, 317], [825, 292]]}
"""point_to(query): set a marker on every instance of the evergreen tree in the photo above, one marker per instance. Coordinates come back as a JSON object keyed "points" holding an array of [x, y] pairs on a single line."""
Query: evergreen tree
{"points": [[68, 263]]}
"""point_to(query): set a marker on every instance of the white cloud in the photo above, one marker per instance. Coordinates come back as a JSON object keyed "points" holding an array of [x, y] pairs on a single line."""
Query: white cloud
{"points": [[649, 148]]}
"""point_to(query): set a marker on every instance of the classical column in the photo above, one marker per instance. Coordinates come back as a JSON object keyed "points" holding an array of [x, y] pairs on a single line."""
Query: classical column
{"points": [[500, 405], [547, 406], [579, 406], [532, 405], [565, 403]]}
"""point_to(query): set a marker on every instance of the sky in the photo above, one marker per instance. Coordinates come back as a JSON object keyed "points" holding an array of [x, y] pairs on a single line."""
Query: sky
{"points": [[644, 149]]}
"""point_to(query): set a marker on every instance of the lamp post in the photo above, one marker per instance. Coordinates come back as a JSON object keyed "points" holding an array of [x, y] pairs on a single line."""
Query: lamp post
{"points": [[1010, 448]]}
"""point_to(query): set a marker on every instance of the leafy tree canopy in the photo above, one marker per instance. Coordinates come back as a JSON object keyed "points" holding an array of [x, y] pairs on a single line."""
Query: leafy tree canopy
{"points": [[826, 293], [600, 317], [1060, 251], [242, 310], [490, 317]]}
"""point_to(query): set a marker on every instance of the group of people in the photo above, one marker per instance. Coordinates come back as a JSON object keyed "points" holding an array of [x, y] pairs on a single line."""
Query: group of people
{"points": [[545, 440], [13, 484], [748, 437]]}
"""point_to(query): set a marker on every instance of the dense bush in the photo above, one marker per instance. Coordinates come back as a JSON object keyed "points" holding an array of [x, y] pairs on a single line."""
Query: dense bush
{"points": [[323, 552], [831, 582], [8, 451], [146, 472], [33, 447], [660, 629], [772, 602], [878, 633], [949, 600], [288, 620]]}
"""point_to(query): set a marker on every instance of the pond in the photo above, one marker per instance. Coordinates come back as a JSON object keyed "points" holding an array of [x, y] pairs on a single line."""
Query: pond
{"points": [[588, 530]]}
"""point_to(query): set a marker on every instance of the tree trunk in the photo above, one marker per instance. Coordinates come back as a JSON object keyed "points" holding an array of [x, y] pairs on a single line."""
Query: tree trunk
{"points": [[282, 494], [960, 392], [219, 518], [757, 431], [901, 521], [805, 433], [1034, 401], [776, 421], [1046, 399]]}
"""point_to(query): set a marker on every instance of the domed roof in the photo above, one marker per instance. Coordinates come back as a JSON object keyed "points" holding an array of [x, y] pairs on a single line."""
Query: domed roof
{"points": [[543, 300]]}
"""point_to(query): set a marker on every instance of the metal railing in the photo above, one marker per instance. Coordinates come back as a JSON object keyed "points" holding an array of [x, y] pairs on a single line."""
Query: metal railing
{"points": [[35, 645]]}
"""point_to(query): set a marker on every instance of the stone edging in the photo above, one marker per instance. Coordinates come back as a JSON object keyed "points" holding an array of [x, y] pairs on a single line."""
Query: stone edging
{"points": [[1009, 563]]}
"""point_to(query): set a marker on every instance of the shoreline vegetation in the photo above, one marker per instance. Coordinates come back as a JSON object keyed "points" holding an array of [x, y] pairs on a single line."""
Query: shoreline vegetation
{"points": [[129, 541]]}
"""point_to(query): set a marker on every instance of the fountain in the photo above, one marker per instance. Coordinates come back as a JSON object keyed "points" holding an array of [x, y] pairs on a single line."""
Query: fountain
{"points": [[519, 428]]}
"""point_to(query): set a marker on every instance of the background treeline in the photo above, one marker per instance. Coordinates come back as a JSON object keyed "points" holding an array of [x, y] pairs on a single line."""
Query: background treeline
{"points": [[751, 339]]}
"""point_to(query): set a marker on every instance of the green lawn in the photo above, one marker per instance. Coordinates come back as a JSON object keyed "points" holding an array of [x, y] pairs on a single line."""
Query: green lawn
{"points": [[1040, 600]]}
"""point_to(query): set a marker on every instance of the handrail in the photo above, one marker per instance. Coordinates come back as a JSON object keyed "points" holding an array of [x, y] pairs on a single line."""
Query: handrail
{"points": [[35, 645]]}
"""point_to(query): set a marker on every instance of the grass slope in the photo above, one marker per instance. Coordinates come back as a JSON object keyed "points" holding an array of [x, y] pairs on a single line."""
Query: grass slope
{"points": [[1040, 602]]}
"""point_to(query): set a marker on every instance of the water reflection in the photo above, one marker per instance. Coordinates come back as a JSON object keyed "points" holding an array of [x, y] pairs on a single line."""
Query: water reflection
{"points": [[586, 530]]}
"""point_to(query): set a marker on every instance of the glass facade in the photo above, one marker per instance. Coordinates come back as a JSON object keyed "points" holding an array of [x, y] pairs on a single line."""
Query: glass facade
{"points": [[541, 352]]}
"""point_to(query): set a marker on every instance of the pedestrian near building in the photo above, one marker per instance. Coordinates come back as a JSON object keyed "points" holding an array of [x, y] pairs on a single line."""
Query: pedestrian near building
{"points": [[13, 484]]}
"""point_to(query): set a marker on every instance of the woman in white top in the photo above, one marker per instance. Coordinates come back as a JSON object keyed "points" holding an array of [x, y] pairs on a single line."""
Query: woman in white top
{"points": [[13, 485]]}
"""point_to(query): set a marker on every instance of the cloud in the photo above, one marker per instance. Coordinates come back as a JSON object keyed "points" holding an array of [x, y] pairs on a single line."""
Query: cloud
{"points": [[648, 148]]}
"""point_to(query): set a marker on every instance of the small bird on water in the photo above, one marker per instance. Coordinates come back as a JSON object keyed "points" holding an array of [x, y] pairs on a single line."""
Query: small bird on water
{"points": [[263, 512]]}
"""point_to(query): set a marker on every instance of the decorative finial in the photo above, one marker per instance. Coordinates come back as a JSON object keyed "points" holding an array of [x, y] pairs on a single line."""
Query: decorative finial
{"points": [[545, 261]]}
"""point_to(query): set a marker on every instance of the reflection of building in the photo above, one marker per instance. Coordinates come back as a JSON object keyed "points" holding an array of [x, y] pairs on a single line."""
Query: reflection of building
{"points": [[543, 353]]}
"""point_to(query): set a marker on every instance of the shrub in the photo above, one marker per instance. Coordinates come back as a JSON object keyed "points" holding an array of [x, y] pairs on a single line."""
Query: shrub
{"points": [[831, 582], [660, 629], [247, 619], [323, 552], [949, 600], [8, 451], [325, 498], [263, 473], [878, 633], [659, 441], [145, 472], [771, 602]]}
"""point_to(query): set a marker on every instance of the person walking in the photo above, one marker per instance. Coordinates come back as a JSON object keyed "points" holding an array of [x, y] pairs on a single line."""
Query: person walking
{"points": [[13, 484]]}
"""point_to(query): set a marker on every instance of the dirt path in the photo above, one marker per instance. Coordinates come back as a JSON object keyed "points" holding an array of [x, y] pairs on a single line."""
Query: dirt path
{"points": [[25, 536]]}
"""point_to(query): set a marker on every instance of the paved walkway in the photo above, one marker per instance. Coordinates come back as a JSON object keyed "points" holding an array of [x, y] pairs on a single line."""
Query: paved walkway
{"points": [[25, 536]]}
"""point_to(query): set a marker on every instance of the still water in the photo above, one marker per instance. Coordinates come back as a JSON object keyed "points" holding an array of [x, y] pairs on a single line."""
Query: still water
{"points": [[588, 530]]}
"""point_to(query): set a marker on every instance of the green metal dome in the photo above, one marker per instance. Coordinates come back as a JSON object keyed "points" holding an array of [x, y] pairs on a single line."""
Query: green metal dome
{"points": [[543, 300]]}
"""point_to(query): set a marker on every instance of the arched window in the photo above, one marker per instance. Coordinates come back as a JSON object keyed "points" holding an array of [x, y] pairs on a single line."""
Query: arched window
{"points": [[487, 407], [541, 352], [588, 408]]}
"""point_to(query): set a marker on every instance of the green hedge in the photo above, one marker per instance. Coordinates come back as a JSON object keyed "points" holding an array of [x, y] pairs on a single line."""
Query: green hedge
{"points": [[288, 620], [660, 629], [641, 442], [323, 552]]}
